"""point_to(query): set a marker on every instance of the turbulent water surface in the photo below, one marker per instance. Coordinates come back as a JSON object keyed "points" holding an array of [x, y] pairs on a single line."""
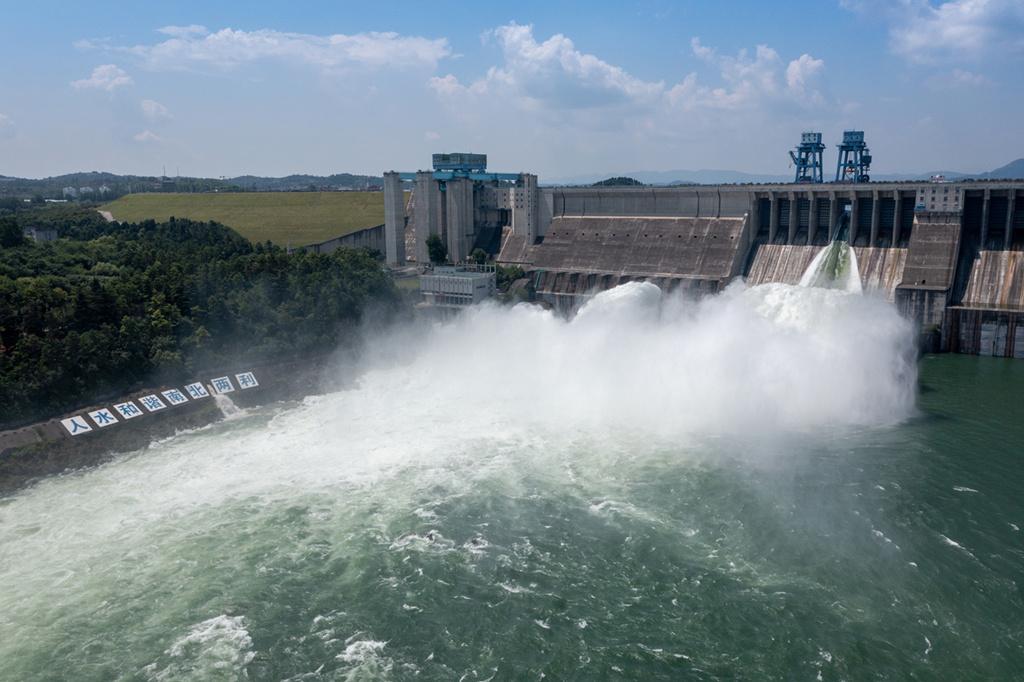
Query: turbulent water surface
{"points": [[758, 486]]}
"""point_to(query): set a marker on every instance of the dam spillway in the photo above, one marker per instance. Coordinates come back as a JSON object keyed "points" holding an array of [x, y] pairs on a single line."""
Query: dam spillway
{"points": [[950, 255], [947, 254]]}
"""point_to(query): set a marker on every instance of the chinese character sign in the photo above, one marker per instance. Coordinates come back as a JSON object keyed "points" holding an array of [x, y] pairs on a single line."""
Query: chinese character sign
{"points": [[197, 390], [103, 417], [175, 397], [128, 410], [223, 385], [76, 425], [152, 403]]}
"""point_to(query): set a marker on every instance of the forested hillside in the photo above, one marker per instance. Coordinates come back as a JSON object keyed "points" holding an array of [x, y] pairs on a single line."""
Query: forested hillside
{"points": [[109, 306]]}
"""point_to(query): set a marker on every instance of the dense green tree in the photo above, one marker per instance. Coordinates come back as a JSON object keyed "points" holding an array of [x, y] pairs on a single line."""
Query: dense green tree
{"points": [[112, 305], [437, 250], [618, 181], [10, 233]]}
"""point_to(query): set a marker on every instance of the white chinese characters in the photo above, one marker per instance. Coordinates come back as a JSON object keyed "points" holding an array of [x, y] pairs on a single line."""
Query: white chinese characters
{"points": [[103, 417], [197, 390], [223, 385], [76, 425]]}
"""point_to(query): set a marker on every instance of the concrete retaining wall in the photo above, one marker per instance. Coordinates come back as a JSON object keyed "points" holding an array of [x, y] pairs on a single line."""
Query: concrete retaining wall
{"points": [[695, 248], [998, 333], [881, 269], [783, 263], [933, 251], [371, 238], [996, 280], [705, 202]]}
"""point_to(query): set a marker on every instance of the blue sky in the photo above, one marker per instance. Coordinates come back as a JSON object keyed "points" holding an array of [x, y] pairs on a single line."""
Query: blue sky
{"points": [[226, 88]]}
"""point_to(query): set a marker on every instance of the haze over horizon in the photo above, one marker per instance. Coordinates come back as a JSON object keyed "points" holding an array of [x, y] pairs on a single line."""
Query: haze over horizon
{"points": [[559, 91]]}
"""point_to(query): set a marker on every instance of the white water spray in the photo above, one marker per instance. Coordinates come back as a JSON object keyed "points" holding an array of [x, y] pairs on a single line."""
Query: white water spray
{"points": [[835, 267], [226, 405]]}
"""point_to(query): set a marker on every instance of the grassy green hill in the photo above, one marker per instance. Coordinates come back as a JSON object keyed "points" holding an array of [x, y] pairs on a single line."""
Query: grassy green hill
{"points": [[284, 218]]}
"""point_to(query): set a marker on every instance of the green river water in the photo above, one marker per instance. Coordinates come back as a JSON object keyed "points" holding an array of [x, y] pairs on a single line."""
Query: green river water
{"points": [[755, 488]]}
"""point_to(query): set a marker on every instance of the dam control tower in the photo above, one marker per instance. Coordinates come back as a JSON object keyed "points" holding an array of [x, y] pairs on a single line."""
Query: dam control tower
{"points": [[462, 202]]}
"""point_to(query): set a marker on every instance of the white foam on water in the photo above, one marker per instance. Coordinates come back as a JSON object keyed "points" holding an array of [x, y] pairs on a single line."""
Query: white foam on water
{"points": [[227, 407], [365, 659], [217, 648], [957, 545]]}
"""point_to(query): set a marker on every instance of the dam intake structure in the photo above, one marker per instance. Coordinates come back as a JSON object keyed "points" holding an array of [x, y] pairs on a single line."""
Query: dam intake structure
{"points": [[949, 255]]}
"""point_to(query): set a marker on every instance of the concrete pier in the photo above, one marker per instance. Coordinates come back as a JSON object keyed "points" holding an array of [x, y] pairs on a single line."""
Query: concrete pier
{"points": [[394, 219], [459, 211], [428, 213]]}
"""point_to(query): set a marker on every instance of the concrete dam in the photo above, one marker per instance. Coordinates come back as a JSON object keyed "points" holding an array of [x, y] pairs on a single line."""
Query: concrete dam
{"points": [[948, 254]]}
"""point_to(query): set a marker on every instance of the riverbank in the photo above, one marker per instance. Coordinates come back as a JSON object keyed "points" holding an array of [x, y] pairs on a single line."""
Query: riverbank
{"points": [[48, 447]]}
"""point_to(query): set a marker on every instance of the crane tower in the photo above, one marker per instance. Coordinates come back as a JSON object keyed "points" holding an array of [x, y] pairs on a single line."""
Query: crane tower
{"points": [[808, 158], [854, 158]]}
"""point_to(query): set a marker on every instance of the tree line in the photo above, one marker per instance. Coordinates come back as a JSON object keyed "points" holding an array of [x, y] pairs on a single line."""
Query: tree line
{"points": [[108, 307]]}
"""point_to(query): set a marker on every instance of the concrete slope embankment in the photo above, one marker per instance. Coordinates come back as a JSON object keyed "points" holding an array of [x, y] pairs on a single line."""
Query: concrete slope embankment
{"points": [[996, 280], [881, 269], [694, 248], [782, 263]]}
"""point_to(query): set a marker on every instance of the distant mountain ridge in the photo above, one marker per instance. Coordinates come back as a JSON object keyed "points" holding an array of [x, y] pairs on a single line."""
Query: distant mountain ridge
{"points": [[110, 185], [1011, 171], [116, 185]]}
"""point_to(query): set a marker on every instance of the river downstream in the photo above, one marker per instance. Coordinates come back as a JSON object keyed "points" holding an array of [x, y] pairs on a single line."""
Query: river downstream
{"points": [[766, 485]]}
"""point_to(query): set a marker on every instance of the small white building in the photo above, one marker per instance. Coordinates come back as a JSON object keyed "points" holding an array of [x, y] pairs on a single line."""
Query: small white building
{"points": [[455, 286]]}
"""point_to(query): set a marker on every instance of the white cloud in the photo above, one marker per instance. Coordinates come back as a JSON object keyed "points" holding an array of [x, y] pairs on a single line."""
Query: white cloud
{"points": [[227, 48], [553, 76], [751, 81], [700, 50], [6, 127], [184, 31], [925, 32], [958, 78], [146, 136], [431, 136], [552, 73], [801, 73], [107, 77], [445, 85], [153, 110]]}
